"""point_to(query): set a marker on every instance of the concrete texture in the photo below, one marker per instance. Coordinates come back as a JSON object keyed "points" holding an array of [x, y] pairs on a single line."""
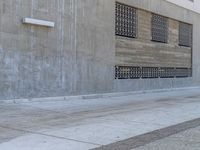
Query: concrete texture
{"points": [[78, 55], [91, 123], [150, 137], [187, 140], [143, 52]]}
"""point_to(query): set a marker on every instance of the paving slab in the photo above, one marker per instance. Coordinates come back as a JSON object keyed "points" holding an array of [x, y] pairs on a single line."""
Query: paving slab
{"points": [[92, 123], [7, 134], [151, 137], [41, 142]]}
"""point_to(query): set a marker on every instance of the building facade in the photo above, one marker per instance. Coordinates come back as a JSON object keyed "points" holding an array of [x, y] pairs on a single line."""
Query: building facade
{"points": [[193, 5], [73, 47]]}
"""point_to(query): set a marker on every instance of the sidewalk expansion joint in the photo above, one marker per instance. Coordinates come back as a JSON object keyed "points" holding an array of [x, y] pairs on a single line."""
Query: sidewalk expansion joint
{"points": [[48, 135]]}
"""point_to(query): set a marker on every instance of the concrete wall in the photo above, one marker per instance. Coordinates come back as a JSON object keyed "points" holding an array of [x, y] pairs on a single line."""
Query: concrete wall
{"points": [[78, 55], [32, 58], [193, 5], [143, 52]]}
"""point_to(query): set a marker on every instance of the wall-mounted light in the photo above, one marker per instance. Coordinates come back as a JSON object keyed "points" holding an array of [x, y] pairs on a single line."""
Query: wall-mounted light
{"points": [[38, 22]]}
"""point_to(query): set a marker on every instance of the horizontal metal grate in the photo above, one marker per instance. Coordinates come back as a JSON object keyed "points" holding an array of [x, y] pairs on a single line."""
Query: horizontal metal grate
{"points": [[159, 28], [185, 34], [132, 72], [167, 72], [183, 72], [149, 72], [125, 20], [126, 72]]}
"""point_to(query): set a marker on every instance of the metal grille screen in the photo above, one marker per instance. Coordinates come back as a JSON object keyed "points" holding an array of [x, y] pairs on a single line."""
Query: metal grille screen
{"points": [[131, 72], [125, 21], [126, 72], [185, 34], [159, 28], [167, 72]]}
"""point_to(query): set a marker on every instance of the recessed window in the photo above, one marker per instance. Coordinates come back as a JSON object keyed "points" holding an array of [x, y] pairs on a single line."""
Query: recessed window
{"points": [[185, 34], [159, 28], [125, 21]]}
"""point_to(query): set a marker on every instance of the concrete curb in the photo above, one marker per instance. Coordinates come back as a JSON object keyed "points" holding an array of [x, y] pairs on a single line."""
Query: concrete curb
{"points": [[91, 96]]}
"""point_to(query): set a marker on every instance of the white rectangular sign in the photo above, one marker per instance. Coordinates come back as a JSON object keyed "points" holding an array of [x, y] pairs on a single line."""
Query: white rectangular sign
{"points": [[38, 22]]}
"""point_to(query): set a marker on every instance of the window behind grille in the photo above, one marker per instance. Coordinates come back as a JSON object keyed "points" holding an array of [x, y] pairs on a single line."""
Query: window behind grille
{"points": [[185, 34], [159, 28], [125, 21]]}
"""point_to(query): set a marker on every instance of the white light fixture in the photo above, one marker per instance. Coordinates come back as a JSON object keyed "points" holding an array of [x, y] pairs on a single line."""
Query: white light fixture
{"points": [[38, 22]]}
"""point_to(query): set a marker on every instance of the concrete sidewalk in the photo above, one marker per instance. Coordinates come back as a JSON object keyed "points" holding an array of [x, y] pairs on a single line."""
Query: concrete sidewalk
{"points": [[186, 140], [90, 123]]}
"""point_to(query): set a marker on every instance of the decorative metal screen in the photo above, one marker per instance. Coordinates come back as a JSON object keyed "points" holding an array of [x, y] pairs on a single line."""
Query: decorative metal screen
{"points": [[185, 34], [125, 21], [132, 72], [150, 72], [183, 72], [127, 72], [167, 72], [159, 28]]}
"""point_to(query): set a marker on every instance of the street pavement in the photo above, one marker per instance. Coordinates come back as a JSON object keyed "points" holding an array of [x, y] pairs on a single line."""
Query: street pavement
{"points": [[84, 124], [187, 140]]}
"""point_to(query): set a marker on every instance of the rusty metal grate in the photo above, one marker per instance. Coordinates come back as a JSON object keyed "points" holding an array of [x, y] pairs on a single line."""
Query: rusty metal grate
{"points": [[159, 28], [185, 34], [125, 20], [132, 72]]}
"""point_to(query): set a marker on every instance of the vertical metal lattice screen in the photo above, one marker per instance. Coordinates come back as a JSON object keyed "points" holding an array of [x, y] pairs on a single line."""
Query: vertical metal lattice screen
{"points": [[125, 21], [185, 34], [159, 28]]}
